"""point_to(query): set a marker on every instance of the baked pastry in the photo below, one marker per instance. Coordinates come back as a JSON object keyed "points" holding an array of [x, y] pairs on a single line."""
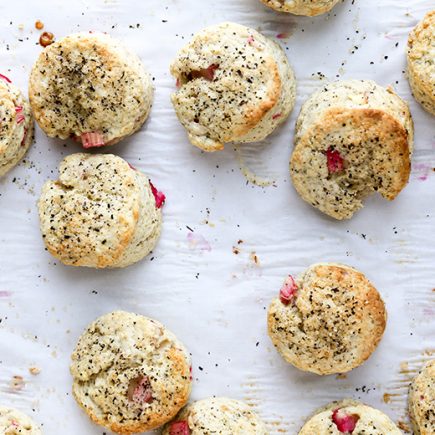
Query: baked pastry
{"points": [[14, 422], [422, 401], [90, 87], [234, 85], [16, 127], [352, 138], [349, 417], [302, 7], [421, 62], [329, 320], [130, 374], [216, 416], [101, 212]]}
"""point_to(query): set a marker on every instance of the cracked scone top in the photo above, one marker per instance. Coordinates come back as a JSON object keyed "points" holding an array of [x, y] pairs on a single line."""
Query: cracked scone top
{"points": [[422, 401], [216, 416], [349, 417], [90, 87], [302, 7], [352, 138], [421, 62], [234, 85], [130, 374], [101, 212], [329, 320], [14, 422], [16, 126]]}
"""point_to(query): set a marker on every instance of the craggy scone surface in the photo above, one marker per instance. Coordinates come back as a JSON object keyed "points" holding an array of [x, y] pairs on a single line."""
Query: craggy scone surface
{"points": [[14, 422], [302, 7]]}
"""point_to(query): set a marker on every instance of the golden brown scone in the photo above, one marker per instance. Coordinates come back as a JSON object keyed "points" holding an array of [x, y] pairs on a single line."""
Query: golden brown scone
{"points": [[14, 422], [302, 7], [329, 320]]}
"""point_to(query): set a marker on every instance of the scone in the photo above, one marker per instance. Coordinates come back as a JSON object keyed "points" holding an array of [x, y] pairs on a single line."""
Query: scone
{"points": [[302, 7], [14, 422], [16, 126], [329, 320], [88, 86], [421, 62], [422, 401], [216, 416], [352, 138], [130, 374], [349, 417], [101, 212], [234, 85]]}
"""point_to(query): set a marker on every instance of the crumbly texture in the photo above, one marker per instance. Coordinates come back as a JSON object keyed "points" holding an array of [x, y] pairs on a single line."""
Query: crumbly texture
{"points": [[302, 7], [219, 416], [16, 127], [113, 355], [14, 422], [370, 127], [89, 82], [334, 323], [422, 401], [370, 420], [249, 90], [99, 213], [421, 62]]}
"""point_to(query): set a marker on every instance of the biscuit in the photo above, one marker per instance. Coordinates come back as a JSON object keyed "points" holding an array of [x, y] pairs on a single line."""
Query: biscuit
{"points": [[14, 422], [216, 416], [100, 213], [352, 138], [422, 401], [16, 127], [310, 8], [421, 62], [130, 374], [329, 320], [90, 87], [349, 417], [234, 85]]}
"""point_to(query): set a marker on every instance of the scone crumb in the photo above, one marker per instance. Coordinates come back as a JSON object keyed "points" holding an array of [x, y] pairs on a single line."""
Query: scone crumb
{"points": [[34, 370]]}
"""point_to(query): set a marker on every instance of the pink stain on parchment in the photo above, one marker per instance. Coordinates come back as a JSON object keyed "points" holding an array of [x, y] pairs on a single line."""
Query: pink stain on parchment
{"points": [[422, 171], [197, 241], [5, 294]]}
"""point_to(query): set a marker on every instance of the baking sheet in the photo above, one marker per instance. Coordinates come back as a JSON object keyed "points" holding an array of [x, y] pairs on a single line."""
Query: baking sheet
{"points": [[214, 299]]}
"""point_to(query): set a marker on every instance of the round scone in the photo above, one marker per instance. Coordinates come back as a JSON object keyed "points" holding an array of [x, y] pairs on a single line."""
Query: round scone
{"points": [[101, 212], [352, 138], [329, 320], [422, 401], [349, 417], [14, 422], [234, 85], [216, 416], [88, 86], [302, 7], [421, 62], [130, 374], [16, 127]]}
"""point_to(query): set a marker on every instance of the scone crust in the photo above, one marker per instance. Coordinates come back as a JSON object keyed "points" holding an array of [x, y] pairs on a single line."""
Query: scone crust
{"points": [[422, 399], [309, 8], [89, 82], [220, 416], [250, 91], [112, 353], [421, 62], [14, 422], [335, 323]]}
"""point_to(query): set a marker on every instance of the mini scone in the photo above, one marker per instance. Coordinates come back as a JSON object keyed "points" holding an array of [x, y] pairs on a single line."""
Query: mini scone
{"points": [[130, 374], [216, 416], [234, 85], [328, 320], [422, 401], [14, 422], [302, 7], [349, 417], [88, 86], [352, 138], [16, 126], [100, 213], [421, 62]]}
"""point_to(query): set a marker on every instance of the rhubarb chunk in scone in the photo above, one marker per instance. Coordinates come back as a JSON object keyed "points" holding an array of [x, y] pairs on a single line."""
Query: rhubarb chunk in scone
{"points": [[233, 85], [14, 422], [100, 213], [89, 87], [130, 374], [328, 320]]}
